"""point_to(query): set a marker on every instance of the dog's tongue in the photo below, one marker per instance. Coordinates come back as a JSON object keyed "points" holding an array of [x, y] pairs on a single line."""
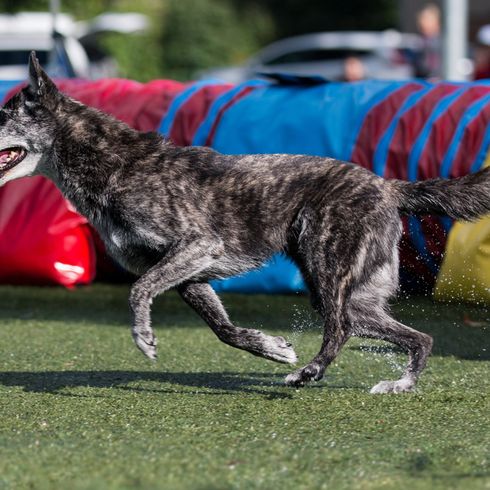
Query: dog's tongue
{"points": [[4, 155]]}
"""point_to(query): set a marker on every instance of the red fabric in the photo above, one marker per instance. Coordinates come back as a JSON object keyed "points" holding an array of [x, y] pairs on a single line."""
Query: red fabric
{"points": [[435, 237], [409, 258], [42, 239], [192, 113], [408, 129], [442, 132], [377, 122], [471, 143], [140, 105]]}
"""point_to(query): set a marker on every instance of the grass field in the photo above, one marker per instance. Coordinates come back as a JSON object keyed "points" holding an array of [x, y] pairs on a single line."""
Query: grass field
{"points": [[81, 408]]}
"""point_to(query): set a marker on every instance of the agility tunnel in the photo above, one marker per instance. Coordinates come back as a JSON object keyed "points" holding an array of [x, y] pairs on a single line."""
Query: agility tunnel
{"points": [[407, 130]]}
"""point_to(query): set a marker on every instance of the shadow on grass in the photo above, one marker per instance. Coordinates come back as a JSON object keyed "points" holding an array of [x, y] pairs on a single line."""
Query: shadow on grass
{"points": [[203, 383], [107, 305]]}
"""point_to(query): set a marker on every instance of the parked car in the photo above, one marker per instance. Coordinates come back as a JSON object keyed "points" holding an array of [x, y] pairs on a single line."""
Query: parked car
{"points": [[384, 55], [71, 51]]}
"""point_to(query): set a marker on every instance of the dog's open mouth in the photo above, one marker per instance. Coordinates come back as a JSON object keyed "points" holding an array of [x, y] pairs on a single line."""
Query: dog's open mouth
{"points": [[10, 157]]}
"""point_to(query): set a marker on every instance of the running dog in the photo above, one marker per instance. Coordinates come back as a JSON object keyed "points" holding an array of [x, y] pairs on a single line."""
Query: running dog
{"points": [[179, 217]]}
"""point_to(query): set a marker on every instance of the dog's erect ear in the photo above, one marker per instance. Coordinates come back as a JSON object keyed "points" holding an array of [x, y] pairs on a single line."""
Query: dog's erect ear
{"points": [[40, 84]]}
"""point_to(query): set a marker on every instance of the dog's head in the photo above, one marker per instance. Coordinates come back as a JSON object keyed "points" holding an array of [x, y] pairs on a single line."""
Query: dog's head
{"points": [[27, 126]]}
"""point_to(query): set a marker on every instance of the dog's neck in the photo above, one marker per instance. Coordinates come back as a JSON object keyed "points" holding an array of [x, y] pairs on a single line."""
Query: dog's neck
{"points": [[90, 148]]}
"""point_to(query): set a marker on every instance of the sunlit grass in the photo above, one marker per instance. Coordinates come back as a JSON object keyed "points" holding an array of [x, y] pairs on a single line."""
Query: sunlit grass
{"points": [[82, 408]]}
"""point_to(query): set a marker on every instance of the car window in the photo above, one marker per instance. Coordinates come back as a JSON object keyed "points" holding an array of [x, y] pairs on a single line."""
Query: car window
{"points": [[310, 55], [20, 57]]}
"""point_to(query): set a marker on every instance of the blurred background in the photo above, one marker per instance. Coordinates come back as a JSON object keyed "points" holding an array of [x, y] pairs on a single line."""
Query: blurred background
{"points": [[234, 39]]}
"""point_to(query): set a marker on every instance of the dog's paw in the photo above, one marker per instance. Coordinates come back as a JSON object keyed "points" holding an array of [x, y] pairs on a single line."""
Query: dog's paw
{"points": [[267, 346], [146, 342], [400, 386], [300, 377], [278, 349]]}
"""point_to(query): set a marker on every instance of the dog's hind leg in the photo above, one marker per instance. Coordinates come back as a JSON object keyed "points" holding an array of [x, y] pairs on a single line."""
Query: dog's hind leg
{"points": [[377, 324], [182, 262], [335, 334], [329, 277], [369, 318], [333, 256], [202, 298]]}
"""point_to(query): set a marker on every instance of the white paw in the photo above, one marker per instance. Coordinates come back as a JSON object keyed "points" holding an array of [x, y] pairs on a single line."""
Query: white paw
{"points": [[400, 386], [294, 379], [278, 349], [147, 343]]}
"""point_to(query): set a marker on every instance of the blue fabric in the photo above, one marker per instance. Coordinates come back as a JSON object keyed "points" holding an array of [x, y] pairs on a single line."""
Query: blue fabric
{"points": [[205, 127], [5, 87], [279, 119], [279, 275]]}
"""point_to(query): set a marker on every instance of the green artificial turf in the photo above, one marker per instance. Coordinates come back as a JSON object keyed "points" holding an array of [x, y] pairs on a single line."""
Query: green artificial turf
{"points": [[81, 408]]}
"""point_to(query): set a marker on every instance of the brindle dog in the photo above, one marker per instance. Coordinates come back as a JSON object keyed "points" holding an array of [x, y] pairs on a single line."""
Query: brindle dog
{"points": [[178, 217]]}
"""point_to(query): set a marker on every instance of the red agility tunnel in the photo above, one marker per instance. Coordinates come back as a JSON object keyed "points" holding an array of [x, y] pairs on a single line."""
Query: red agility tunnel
{"points": [[43, 239]]}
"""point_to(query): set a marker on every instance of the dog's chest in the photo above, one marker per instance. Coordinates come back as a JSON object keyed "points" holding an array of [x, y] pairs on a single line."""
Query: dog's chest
{"points": [[136, 248]]}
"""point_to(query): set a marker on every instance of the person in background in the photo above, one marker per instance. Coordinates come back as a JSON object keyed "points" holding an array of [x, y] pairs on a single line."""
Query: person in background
{"points": [[353, 70], [482, 53], [428, 61]]}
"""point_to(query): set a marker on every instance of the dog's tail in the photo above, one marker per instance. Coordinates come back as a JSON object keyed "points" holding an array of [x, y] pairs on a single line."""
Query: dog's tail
{"points": [[465, 198]]}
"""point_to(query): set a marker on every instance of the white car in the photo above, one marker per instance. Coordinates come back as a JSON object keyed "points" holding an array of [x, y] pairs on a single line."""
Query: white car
{"points": [[384, 55], [69, 52]]}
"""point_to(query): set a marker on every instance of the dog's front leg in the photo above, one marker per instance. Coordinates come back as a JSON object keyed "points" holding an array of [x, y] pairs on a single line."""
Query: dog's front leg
{"points": [[202, 298], [181, 263]]}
